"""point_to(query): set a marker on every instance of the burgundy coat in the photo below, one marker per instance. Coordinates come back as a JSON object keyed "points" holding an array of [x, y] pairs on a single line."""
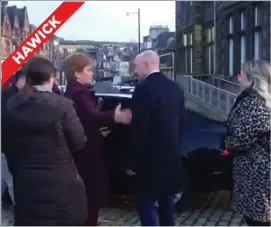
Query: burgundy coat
{"points": [[91, 162]]}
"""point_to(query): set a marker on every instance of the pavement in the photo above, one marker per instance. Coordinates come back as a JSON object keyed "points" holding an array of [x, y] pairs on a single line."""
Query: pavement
{"points": [[215, 212]]}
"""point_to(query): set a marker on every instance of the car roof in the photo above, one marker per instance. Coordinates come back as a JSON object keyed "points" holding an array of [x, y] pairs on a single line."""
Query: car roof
{"points": [[117, 95]]}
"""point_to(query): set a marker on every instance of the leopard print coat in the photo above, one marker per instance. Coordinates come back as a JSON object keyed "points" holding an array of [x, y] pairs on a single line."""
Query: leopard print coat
{"points": [[248, 127]]}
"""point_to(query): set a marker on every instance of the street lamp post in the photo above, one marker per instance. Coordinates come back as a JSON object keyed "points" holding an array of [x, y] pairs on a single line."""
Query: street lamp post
{"points": [[138, 24], [55, 52]]}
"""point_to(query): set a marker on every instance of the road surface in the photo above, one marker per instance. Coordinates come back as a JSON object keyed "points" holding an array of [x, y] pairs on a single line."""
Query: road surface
{"points": [[211, 214]]}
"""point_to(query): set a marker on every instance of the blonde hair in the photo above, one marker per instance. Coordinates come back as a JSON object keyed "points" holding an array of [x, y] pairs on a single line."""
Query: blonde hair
{"points": [[76, 62], [259, 76]]}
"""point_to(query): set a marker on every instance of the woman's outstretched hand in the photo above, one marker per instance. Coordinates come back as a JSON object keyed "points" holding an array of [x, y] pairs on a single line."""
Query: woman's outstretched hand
{"points": [[123, 116]]}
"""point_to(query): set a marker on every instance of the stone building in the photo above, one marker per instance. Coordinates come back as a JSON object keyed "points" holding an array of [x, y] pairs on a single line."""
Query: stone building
{"points": [[215, 38], [15, 27]]}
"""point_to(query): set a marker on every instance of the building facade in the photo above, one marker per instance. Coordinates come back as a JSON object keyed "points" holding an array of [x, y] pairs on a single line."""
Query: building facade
{"points": [[14, 27], [151, 40], [215, 38]]}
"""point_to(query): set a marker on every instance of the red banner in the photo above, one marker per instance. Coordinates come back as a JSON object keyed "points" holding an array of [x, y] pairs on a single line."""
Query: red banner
{"points": [[29, 46]]}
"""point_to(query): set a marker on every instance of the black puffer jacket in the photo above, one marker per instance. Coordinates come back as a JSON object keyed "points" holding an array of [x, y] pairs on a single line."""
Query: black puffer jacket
{"points": [[48, 188], [5, 95]]}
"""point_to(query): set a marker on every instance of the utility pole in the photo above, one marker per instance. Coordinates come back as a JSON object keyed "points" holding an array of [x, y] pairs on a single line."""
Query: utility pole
{"points": [[138, 17], [139, 24]]}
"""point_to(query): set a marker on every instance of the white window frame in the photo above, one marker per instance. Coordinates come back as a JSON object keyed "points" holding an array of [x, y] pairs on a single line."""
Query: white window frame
{"points": [[243, 49], [256, 45], [191, 39], [186, 61], [210, 59], [191, 60], [231, 25], [256, 12], [209, 35], [213, 34], [231, 56], [242, 21], [185, 40]]}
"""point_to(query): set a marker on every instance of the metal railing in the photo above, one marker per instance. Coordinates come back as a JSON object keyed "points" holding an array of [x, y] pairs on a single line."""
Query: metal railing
{"points": [[226, 85], [217, 98], [221, 83], [167, 65], [169, 72]]}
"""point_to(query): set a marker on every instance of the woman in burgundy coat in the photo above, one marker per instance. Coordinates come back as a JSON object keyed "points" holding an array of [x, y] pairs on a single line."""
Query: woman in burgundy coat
{"points": [[90, 162]]}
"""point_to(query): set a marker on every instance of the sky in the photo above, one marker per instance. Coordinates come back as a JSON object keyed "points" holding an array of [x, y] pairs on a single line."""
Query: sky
{"points": [[105, 20]]}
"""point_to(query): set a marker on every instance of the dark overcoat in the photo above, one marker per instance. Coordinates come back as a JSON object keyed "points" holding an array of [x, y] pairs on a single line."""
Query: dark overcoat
{"points": [[157, 108], [42, 129]]}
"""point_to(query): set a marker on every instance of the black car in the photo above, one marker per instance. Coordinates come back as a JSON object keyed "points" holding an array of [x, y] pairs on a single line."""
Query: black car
{"points": [[205, 169]]}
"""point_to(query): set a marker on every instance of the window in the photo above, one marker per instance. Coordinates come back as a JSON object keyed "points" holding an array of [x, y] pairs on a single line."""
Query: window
{"points": [[185, 40], [188, 53], [242, 21], [243, 49], [256, 45], [17, 32], [186, 60], [230, 25], [210, 59], [191, 39], [256, 16], [231, 44], [210, 37], [213, 33], [191, 60], [6, 29]]}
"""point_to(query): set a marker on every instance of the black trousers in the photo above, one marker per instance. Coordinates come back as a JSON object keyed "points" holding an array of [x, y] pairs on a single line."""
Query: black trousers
{"points": [[148, 212], [252, 222]]}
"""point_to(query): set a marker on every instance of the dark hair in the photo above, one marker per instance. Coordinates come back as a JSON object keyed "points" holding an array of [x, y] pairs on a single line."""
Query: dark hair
{"points": [[38, 70], [18, 75], [13, 79]]}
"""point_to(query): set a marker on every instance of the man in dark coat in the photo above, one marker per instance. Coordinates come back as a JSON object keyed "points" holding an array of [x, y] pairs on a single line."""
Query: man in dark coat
{"points": [[43, 128], [157, 110]]}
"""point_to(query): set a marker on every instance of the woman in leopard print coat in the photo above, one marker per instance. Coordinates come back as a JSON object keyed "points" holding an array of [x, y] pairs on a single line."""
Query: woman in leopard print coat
{"points": [[248, 141]]}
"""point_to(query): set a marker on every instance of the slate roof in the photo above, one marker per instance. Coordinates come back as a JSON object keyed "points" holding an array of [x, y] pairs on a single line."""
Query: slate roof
{"points": [[21, 13], [2, 17], [171, 45], [3, 6], [162, 40], [13, 11]]}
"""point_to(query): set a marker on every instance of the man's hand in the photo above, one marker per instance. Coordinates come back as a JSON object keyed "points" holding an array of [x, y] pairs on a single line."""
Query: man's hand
{"points": [[105, 131], [130, 172], [122, 116]]}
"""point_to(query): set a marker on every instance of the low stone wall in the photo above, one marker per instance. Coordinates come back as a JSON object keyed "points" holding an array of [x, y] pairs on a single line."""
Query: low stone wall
{"points": [[203, 109]]}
